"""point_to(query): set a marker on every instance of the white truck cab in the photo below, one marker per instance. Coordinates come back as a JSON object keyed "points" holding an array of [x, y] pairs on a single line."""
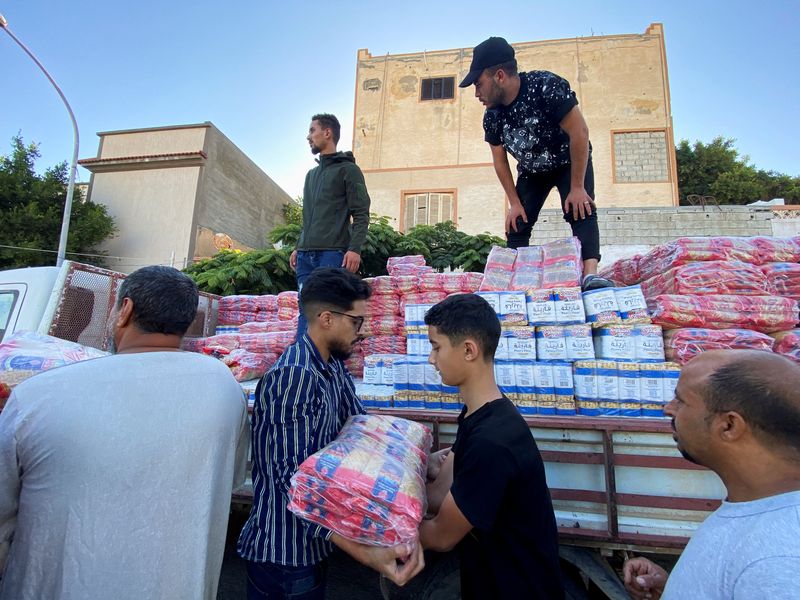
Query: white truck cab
{"points": [[24, 296]]}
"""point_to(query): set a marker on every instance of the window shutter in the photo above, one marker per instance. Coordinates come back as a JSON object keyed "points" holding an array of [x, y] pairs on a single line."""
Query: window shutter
{"points": [[411, 211], [447, 207], [435, 200]]}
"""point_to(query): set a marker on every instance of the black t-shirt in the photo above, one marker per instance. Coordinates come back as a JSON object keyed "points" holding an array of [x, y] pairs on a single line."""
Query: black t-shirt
{"points": [[499, 485], [529, 126]]}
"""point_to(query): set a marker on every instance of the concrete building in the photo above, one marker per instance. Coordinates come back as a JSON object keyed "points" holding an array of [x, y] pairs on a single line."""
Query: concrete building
{"points": [[419, 138], [180, 193]]}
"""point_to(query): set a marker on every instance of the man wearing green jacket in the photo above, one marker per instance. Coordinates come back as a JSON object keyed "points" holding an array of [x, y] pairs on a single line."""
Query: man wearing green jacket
{"points": [[335, 208]]}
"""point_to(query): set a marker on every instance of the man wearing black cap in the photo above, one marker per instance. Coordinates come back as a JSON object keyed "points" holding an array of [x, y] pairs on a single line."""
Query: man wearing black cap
{"points": [[534, 116]]}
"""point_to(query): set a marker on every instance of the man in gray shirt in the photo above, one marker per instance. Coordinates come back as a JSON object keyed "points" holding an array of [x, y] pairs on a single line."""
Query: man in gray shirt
{"points": [[116, 473], [737, 412]]}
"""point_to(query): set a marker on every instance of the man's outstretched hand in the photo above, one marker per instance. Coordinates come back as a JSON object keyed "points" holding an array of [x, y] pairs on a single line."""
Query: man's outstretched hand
{"points": [[644, 579]]}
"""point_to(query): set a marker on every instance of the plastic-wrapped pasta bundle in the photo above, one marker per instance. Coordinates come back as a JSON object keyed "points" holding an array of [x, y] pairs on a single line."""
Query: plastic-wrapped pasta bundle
{"points": [[267, 326], [368, 485], [273, 342], [383, 325], [399, 263], [420, 298], [788, 344], [248, 365], [381, 284], [471, 282], [692, 249], [499, 269], [784, 278], [760, 313], [405, 284], [772, 249], [682, 345], [384, 344], [624, 271], [383, 304], [709, 277]]}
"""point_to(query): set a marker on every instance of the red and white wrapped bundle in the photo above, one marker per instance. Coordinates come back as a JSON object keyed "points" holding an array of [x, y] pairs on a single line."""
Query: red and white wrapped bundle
{"points": [[383, 325], [693, 249], [526, 278], [267, 326], [248, 365], [355, 364], [709, 277], [420, 298], [383, 304], [405, 284], [760, 313], [471, 282], [499, 269], [559, 250], [288, 313], [788, 344], [266, 343], [562, 273], [223, 340], [784, 278], [529, 256], [624, 272], [288, 300], [682, 345], [776, 250], [401, 263], [430, 282], [368, 485], [381, 284], [451, 282], [384, 344], [496, 280], [249, 303], [411, 270]]}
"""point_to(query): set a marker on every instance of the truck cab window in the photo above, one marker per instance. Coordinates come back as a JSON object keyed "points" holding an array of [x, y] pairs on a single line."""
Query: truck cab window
{"points": [[8, 299]]}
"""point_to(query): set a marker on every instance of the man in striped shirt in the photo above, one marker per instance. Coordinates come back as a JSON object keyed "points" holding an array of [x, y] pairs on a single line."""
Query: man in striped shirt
{"points": [[301, 406]]}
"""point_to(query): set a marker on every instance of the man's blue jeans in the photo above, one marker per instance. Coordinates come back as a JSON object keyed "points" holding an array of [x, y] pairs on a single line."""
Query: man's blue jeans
{"points": [[268, 581], [307, 261]]}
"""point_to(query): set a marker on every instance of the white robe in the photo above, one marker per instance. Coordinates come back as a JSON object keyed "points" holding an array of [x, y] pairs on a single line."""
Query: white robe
{"points": [[116, 476]]}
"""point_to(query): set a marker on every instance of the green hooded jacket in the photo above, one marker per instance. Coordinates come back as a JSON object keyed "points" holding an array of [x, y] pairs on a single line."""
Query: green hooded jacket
{"points": [[334, 192]]}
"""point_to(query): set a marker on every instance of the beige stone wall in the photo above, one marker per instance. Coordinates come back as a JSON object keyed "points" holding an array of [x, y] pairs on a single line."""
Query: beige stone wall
{"points": [[404, 143], [164, 140]]}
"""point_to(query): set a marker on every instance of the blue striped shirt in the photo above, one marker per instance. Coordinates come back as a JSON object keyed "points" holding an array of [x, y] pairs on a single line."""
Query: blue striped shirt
{"points": [[301, 405]]}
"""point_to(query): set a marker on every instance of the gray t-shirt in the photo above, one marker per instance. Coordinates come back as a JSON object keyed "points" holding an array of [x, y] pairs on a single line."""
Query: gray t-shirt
{"points": [[116, 476], [744, 550]]}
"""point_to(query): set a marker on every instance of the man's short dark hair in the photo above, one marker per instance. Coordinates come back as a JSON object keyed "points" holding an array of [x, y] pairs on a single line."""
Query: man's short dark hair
{"points": [[768, 403], [509, 68], [164, 299], [465, 316], [332, 288], [328, 121]]}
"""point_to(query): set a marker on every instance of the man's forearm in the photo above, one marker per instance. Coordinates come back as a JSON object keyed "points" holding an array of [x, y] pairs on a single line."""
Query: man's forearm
{"points": [[578, 158], [503, 172]]}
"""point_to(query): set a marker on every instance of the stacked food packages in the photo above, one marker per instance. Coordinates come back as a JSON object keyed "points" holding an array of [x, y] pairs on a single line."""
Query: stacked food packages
{"points": [[788, 344], [25, 353], [368, 485], [548, 333], [718, 292]]}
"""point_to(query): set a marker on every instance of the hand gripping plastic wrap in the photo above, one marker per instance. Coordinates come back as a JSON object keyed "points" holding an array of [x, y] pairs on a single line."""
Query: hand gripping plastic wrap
{"points": [[499, 269], [368, 485], [784, 278], [682, 345], [788, 344], [248, 365], [760, 313], [34, 352], [710, 277]]}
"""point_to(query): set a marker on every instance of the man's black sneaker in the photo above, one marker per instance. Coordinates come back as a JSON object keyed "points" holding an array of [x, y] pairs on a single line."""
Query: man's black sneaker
{"points": [[595, 282]]}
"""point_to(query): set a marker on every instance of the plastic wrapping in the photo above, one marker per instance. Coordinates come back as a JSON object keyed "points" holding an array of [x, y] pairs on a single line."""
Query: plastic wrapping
{"points": [[471, 282], [248, 365], [788, 344], [384, 344], [710, 277], [420, 298], [368, 485], [383, 304], [772, 249], [397, 263], [238, 309], [784, 277], [682, 345], [267, 326], [760, 313], [387, 324], [34, 352], [405, 284], [499, 269]]}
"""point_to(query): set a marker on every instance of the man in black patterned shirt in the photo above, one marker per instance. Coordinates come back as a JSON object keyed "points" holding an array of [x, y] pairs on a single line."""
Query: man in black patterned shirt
{"points": [[534, 116]]}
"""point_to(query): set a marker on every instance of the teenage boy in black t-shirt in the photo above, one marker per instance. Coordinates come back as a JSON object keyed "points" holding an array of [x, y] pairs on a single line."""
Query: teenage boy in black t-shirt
{"points": [[491, 496]]}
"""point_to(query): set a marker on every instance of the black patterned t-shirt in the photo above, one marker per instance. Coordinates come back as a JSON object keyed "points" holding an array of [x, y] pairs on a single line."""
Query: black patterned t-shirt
{"points": [[529, 126]]}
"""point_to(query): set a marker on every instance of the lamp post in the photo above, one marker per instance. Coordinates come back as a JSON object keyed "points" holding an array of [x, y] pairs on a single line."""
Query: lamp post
{"points": [[62, 241]]}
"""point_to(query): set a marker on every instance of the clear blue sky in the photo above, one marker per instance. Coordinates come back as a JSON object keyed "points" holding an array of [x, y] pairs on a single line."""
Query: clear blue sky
{"points": [[258, 70]]}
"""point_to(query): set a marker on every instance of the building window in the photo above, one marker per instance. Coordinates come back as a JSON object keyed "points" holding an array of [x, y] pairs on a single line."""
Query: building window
{"points": [[640, 156], [427, 208], [438, 88]]}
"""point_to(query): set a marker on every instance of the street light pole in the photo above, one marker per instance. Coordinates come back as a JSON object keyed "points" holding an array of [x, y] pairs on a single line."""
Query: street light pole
{"points": [[62, 241]]}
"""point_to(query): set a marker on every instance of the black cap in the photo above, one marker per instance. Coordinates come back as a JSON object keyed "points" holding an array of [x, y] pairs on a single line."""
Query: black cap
{"points": [[494, 51]]}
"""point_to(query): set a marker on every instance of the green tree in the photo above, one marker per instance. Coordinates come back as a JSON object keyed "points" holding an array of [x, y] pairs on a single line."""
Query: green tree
{"points": [[717, 169], [32, 208]]}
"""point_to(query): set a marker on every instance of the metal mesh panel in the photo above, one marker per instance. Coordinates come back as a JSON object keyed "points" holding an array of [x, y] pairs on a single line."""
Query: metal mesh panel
{"points": [[85, 303]]}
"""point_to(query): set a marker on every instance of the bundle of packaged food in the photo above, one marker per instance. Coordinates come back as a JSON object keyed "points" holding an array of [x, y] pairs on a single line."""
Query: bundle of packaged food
{"points": [[267, 326], [420, 298], [784, 278], [405, 284], [709, 277], [238, 309], [528, 269], [761, 313], [383, 304], [368, 485], [624, 271], [28, 353], [248, 365], [788, 344], [407, 265], [441, 282], [499, 269], [561, 263], [775, 249], [288, 306], [471, 282], [682, 345], [355, 363], [383, 325], [384, 344]]}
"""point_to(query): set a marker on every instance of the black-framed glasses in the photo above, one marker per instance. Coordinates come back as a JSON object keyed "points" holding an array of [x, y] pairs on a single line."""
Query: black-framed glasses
{"points": [[358, 321]]}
